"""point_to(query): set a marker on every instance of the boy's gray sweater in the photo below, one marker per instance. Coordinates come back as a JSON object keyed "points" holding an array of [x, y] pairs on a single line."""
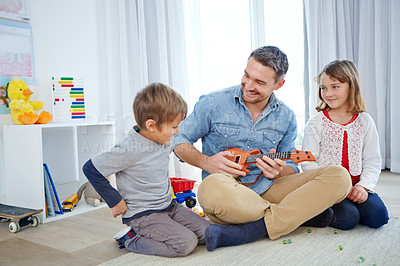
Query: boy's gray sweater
{"points": [[141, 169]]}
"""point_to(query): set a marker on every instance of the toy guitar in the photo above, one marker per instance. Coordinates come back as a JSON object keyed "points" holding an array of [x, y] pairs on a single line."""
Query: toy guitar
{"points": [[245, 158]]}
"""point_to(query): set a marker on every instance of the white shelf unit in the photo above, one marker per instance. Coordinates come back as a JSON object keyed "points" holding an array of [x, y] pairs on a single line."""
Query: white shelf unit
{"points": [[64, 148]]}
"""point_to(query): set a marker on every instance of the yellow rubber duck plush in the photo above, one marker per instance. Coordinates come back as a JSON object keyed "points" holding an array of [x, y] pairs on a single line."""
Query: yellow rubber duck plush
{"points": [[21, 108]]}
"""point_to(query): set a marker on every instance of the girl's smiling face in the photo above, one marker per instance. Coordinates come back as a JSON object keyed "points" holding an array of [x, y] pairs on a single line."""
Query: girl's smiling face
{"points": [[334, 92]]}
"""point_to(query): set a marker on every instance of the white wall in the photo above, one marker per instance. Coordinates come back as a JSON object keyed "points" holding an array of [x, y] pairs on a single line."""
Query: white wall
{"points": [[65, 43]]}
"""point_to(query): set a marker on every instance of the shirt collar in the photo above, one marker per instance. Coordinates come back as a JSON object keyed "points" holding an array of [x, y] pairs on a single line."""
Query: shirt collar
{"points": [[272, 105]]}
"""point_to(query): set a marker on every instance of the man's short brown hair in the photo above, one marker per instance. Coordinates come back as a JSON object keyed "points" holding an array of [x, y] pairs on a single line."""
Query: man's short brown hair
{"points": [[159, 102]]}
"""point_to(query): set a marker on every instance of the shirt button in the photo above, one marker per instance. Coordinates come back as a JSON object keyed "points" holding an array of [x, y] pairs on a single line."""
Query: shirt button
{"points": [[248, 147], [252, 131], [274, 141], [225, 136]]}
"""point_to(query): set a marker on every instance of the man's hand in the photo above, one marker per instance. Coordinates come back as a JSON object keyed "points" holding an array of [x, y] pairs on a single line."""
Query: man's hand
{"points": [[219, 163], [358, 194], [119, 209], [271, 169]]}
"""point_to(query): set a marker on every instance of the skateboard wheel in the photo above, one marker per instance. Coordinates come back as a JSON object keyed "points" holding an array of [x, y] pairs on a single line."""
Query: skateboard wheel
{"points": [[13, 227], [35, 221]]}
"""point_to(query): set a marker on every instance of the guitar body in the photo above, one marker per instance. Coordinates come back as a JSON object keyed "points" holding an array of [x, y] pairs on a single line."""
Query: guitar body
{"points": [[245, 158], [240, 157]]}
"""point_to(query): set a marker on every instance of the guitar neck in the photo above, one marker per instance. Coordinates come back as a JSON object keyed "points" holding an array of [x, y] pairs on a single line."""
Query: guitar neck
{"points": [[278, 155]]}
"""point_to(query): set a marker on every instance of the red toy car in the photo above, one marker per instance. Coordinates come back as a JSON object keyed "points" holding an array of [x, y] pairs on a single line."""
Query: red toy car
{"points": [[182, 191]]}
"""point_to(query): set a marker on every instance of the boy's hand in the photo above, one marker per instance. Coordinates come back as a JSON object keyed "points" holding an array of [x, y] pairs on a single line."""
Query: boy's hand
{"points": [[119, 209]]}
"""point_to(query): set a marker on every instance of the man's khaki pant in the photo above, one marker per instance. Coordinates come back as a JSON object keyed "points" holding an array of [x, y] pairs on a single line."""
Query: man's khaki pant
{"points": [[288, 203]]}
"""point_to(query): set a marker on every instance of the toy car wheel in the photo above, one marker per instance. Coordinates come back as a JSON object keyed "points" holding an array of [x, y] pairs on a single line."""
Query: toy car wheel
{"points": [[13, 227], [190, 202], [35, 221]]}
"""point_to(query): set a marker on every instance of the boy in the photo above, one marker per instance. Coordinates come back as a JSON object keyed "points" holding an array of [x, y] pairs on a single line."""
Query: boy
{"points": [[157, 225]]}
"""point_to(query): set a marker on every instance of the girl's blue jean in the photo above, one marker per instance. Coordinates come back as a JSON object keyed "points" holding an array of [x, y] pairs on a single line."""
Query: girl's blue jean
{"points": [[348, 214]]}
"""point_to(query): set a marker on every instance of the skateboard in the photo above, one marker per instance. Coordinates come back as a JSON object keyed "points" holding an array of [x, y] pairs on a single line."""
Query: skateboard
{"points": [[21, 216]]}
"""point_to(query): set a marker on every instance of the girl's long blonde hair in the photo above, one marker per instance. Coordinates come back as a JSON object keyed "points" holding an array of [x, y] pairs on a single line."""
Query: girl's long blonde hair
{"points": [[343, 71]]}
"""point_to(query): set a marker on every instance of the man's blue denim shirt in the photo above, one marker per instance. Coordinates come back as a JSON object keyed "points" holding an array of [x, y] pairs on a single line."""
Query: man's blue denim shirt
{"points": [[222, 121]]}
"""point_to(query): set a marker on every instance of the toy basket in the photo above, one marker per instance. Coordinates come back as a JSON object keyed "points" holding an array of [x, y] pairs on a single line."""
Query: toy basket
{"points": [[181, 184]]}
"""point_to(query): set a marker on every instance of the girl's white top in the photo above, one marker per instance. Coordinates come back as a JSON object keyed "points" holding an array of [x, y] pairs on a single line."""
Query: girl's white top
{"points": [[324, 139]]}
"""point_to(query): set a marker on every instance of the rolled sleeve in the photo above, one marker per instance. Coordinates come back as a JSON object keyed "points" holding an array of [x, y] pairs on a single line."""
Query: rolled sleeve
{"points": [[196, 125]]}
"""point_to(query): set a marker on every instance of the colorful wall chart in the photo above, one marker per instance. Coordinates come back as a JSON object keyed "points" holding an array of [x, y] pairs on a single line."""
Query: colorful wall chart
{"points": [[16, 55], [16, 50], [68, 99]]}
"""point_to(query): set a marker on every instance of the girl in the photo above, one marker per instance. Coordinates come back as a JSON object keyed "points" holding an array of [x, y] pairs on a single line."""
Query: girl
{"points": [[341, 133]]}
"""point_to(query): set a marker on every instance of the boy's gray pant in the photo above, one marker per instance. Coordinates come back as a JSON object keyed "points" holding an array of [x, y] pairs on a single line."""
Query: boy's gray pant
{"points": [[170, 233]]}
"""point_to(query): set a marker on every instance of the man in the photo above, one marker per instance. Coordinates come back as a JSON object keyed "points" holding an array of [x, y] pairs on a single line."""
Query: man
{"points": [[273, 199]]}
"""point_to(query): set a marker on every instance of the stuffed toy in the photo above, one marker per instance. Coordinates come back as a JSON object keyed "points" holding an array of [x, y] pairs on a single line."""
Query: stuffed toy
{"points": [[90, 194], [22, 109]]}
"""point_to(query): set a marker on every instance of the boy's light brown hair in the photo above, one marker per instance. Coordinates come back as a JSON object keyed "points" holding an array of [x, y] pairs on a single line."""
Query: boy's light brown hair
{"points": [[159, 102], [343, 71]]}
